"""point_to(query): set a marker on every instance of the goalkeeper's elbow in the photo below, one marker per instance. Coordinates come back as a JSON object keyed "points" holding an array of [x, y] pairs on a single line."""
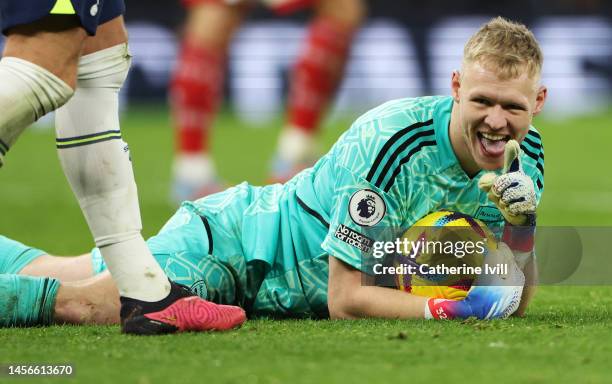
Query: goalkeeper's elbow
{"points": [[342, 304]]}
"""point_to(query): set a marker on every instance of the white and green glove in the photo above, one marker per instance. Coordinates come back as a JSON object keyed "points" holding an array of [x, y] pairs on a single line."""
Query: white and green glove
{"points": [[514, 194]]}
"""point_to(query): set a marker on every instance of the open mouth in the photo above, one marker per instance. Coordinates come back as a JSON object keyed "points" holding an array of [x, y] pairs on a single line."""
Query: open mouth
{"points": [[492, 144]]}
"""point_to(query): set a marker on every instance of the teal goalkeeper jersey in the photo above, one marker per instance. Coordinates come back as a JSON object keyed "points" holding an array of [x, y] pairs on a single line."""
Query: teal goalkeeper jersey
{"points": [[399, 160], [392, 167]]}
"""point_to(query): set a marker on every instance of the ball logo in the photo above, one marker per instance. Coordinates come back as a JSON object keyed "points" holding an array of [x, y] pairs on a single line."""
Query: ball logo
{"points": [[367, 208]]}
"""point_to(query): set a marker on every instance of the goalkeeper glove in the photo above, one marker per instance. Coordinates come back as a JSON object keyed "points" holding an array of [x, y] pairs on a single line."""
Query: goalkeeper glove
{"points": [[493, 295], [514, 194]]}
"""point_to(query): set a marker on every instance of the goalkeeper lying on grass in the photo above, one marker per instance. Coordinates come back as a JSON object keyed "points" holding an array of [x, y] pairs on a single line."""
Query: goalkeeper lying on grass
{"points": [[295, 250]]}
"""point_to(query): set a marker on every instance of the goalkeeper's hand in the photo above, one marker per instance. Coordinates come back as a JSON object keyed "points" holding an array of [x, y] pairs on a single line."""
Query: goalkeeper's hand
{"points": [[512, 192], [492, 295]]}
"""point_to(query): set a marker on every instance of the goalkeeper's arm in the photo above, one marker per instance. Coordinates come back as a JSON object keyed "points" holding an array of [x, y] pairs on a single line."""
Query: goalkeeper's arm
{"points": [[530, 270], [514, 194], [348, 298]]}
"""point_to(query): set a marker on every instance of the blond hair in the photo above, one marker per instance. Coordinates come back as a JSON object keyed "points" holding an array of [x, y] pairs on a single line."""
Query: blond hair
{"points": [[508, 47]]}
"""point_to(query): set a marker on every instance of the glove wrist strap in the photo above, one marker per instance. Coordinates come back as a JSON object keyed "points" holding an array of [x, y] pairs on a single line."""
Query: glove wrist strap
{"points": [[436, 309], [520, 238]]}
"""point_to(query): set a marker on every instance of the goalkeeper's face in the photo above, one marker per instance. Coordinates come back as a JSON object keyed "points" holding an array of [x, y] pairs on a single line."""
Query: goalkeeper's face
{"points": [[492, 110]]}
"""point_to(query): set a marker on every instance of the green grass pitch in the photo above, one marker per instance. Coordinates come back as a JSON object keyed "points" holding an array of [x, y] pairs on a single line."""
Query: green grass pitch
{"points": [[565, 338]]}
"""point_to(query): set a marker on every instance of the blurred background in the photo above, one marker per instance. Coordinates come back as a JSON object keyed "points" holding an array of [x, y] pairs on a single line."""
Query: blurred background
{"points": [[403, 49]]}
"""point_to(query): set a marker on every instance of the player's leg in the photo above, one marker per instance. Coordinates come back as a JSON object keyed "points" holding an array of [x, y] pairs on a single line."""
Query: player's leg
{"points": [[39, 289], [314, 80], [96, 162], [107, 193], [52, 289], [26, 300], [18, 258], [40, 300], [30, 301], [62, 268], [96, 301], [37, 71], [196, 92], [180, 248]]}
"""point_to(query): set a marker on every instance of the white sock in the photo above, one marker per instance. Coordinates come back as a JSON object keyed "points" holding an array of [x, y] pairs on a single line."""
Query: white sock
{"points": [[194, 169], [296, 146], [27, 92], [97, 163]]}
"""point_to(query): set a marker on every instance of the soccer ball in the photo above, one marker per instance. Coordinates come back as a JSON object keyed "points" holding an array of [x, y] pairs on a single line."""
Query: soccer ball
{"points": [[442, 258]]}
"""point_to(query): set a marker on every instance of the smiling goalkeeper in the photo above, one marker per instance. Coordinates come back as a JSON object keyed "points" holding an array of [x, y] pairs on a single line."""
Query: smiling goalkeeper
{"points": [[289, 250]]}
